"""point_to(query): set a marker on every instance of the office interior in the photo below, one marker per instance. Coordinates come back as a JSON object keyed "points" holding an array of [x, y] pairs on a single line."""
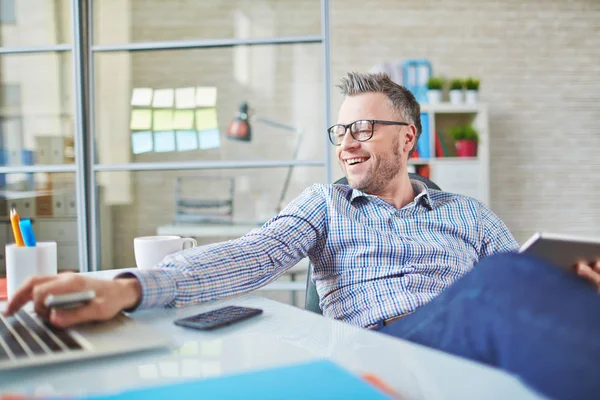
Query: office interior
{"points": [[114, 113]]}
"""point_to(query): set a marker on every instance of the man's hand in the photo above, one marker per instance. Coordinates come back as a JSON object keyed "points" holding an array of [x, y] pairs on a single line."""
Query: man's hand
{"points": [[112, 296], [589, 271]]}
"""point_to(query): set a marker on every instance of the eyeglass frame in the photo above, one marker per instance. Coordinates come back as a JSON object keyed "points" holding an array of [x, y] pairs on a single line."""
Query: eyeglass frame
{"points": [[372, 121]]}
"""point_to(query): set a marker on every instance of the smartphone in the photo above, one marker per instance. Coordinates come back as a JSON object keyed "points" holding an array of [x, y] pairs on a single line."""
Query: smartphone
{"points": [[218, 318], [69, 300]]}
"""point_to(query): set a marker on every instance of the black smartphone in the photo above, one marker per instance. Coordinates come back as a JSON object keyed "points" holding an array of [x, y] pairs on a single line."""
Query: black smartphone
{"points": [[218, 318], [69, 300]]}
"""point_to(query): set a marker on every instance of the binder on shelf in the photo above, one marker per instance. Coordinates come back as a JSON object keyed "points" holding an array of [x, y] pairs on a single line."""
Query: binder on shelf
{"points": [[423, 145]]}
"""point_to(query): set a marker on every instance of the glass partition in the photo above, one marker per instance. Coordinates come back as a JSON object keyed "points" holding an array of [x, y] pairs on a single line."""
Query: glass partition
{"points": [[126, 21], [155, 106], [209, 205], [35, 22], [36, 109], [49, 201]]}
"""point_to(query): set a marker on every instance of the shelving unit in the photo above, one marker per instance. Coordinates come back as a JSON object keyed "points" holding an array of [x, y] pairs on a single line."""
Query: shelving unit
{"points": [[464, 175]]}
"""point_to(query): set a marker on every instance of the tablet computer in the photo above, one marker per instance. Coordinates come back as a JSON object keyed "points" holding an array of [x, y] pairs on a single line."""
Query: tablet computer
{"points": [[562, 250]]}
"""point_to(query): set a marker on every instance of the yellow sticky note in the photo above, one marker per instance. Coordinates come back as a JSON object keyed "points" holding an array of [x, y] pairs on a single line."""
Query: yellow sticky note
{"points": [[163, 120], [206, 118], [184, 119], [141, 119]]}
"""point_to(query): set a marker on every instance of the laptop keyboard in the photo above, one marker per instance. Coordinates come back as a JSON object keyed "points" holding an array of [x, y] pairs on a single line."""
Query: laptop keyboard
{"points": [[26, 335]]}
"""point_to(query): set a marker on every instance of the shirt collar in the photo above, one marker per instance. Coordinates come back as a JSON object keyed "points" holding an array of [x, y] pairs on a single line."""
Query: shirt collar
{"points": [[421, 194]]}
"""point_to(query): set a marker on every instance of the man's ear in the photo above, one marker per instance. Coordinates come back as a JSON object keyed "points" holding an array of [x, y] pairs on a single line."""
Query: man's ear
{"points": [[410, 138]]}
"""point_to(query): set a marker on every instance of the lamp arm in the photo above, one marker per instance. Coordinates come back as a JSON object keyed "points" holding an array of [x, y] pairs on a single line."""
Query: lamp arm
{"points": [[275, 124], [288, 176]]}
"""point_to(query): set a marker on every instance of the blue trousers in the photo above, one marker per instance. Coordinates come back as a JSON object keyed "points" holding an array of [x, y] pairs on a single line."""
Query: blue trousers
{"points": [[520, 314]]}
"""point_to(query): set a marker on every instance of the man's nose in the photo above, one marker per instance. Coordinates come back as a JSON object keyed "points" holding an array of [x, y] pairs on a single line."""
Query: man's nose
{"points": [[348, 141]]}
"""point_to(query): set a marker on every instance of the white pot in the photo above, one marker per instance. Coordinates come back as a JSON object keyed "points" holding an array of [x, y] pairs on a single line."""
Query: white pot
{"points": [[472, 96], [456, 96], [434, 96]]}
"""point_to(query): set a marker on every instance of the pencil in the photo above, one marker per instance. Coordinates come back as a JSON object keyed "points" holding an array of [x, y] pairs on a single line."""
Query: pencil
{"points": [[14, 221]]}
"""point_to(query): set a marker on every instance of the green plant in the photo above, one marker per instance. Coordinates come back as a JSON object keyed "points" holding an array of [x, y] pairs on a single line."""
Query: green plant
{"points": [[435, 83], [466, 132], [457, 84], [472, 84]]}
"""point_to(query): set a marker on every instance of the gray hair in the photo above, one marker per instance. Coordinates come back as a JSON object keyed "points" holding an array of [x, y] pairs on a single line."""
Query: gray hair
{"points": [[400, 98]]}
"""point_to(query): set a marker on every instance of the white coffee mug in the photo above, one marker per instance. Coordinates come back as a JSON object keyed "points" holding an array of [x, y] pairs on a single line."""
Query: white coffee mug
{"points": [[150, 250]]}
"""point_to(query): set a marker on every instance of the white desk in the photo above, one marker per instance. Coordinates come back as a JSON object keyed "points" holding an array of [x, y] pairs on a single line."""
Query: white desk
{"points": [[281, 336]]}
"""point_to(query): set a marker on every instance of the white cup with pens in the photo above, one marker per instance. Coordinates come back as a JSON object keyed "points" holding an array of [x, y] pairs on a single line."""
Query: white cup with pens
{"points": [[27, 257]]}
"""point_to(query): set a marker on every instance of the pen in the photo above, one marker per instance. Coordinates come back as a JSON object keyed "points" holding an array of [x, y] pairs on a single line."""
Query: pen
{"points": [[14, 221], [27, 232]]}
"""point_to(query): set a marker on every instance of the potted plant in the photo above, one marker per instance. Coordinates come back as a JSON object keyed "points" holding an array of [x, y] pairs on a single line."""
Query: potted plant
{"points": [[434, 90], [466, 139], [472, 93], [456, 91]]}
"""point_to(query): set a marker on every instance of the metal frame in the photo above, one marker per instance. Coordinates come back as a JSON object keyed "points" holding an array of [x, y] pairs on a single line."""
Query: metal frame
{"points": [[85, 167]]}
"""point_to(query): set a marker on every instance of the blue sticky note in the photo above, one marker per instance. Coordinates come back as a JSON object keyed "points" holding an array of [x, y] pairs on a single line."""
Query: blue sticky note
{"points": [[313, 380]]}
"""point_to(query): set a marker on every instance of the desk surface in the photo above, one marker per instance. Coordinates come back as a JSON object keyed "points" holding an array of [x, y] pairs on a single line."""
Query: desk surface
{"points": [[281, 336]]}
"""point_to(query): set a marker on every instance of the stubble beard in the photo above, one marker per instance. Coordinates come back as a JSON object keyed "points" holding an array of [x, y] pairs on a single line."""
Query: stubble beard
{"points": [[380, 173]]}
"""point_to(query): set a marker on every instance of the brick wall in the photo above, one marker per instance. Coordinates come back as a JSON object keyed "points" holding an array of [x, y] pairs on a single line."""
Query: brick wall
{"points": [[539, 62]]}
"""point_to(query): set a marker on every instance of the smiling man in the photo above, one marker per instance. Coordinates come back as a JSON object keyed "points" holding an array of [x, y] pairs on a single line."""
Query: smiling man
{"points": [[384, 249]]}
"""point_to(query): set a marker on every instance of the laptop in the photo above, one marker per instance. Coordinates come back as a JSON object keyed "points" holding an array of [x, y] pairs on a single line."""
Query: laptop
{"points": [[26, 340]]}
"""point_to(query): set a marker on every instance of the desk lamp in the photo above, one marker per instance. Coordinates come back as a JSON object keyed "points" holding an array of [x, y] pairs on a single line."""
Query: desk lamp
{"points": [[240, 129]]}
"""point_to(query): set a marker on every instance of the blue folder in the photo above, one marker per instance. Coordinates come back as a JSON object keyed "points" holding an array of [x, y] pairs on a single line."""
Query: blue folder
{"points": [[313, 380], [423, 145]]}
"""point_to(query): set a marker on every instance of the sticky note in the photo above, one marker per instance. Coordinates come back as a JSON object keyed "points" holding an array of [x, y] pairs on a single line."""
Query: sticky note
{"points": [[185, 97], [163, 98], [164, 141], [183, 119], [141, 142], [206, 119], [206, 96], [187, 140], [141, 119], [210, 139], [141, 97], [163, 120]]}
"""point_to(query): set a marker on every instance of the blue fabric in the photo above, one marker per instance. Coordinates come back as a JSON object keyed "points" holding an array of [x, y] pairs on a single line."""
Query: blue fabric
{"points": [[371, 260], [520, 314]]}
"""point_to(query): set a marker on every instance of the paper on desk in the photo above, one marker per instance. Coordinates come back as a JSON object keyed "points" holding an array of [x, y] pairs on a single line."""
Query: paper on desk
{"points": [[313, 380]]}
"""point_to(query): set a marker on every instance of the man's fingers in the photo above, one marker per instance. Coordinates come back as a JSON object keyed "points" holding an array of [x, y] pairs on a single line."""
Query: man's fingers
{"points": [[587, 272], [596, 266], [97, 310], [25, 293]]}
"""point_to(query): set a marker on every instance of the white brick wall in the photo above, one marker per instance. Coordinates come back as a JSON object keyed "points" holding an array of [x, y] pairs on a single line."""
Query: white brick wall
{"points": [[539, 62]]}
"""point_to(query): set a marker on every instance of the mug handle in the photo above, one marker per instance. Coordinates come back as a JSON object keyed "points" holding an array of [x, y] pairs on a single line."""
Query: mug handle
{"points": [[192, 242]]}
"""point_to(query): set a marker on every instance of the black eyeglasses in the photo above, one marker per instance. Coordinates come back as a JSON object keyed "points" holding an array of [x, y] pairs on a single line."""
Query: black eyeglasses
{"points": [[361, 130]]}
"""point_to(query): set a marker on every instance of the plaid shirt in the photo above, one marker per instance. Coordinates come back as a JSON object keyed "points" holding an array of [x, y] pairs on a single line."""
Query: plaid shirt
{"points": [[371, 260]]}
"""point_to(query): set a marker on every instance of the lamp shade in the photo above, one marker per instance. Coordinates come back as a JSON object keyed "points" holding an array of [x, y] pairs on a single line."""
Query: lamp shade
{"points": [[239, 128]]}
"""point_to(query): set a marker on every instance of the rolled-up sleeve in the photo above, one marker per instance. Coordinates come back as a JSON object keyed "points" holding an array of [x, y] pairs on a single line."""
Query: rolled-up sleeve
{"points": [[237, 266]]}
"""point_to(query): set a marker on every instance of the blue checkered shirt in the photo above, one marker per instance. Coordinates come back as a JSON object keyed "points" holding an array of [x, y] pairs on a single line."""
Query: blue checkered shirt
{"points": [[371, 260]]}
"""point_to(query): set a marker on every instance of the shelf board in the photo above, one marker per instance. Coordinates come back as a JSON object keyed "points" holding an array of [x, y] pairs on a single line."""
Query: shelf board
{"points": [[448, 108], [423, 161]]}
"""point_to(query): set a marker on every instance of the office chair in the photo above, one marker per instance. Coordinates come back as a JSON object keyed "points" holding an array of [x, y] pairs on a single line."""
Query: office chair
{"points": [[311, 299]]}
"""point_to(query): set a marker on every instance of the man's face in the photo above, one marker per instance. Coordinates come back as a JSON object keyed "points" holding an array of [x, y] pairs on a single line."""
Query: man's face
{"points": [[370, 166]]}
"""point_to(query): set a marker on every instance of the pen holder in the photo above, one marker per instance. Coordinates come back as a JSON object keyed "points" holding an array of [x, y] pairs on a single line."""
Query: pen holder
{"points": [[25, 262]]}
